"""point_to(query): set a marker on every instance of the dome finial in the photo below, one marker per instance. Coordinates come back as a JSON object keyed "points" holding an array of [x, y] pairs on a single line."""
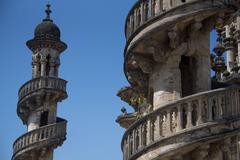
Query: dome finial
{"points": [[48, 12]]}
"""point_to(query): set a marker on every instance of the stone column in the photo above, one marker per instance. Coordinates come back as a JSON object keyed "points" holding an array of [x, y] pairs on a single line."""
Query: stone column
{"points": [[43, 66], [230, 49], [52, 67], [238, 38], [33, 121], [35, 66], [166, 82]]}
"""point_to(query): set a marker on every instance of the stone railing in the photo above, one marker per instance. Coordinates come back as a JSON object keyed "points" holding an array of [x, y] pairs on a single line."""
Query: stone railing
{"points": [[181, 116], [45, 133], [41, 83], [145, 10]]}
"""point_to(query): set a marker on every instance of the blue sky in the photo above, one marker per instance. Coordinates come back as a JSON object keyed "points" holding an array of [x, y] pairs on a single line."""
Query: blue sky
{"points": [[92, 65]]}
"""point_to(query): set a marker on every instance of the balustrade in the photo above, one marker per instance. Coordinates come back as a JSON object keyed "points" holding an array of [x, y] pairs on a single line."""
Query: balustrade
{"points": [[45, 133], [40, 83], [145, 10], [183, 115]]}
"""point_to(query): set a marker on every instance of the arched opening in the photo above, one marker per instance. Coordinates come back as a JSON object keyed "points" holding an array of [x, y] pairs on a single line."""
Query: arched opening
{"points": [[48, 65], [44, 118], [188, 72]]}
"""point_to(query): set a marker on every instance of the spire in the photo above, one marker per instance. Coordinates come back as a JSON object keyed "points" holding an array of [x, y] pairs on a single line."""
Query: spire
{"points": [[48, 12]]}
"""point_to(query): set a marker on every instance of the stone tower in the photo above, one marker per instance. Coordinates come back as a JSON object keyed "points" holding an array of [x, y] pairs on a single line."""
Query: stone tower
{"points": [[181, 112], [38, 98]]}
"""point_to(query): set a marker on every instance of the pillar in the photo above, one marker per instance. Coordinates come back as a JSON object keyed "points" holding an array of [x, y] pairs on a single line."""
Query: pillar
{"points": [[43, 66], [230, 49], [166, 82]]}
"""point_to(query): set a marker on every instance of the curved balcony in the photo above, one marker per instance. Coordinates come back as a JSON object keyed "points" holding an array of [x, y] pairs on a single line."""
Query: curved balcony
{"points": [[145, 11], [190, 119], [51, 135], [34, 85]]}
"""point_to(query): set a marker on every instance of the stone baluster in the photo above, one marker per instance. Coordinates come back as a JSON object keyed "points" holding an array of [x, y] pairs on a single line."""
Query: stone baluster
{"points": [[142, 13], [135, 19], [179, 118], [200, 112], [134, 141], [220, 107], [231, 104], [168, 121], [140, 137], [157, 128], [189, 115], [210, 109], [148, 132], [149, 9], [131, 24], [237, 99], [157, 9]]}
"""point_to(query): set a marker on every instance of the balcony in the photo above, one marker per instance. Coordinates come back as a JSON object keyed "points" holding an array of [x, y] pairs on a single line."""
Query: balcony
{"points": [[53, 134], [34, 85], [181, 122], [145, 11]]}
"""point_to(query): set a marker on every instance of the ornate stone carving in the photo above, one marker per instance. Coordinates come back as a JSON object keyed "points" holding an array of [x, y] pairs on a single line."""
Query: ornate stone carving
{"points": [[132, 97], [174, 38], [139, 61]]}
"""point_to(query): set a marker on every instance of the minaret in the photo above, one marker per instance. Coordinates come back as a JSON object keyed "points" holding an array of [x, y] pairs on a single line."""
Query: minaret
{"points": [[180, 111], [38, 98]]}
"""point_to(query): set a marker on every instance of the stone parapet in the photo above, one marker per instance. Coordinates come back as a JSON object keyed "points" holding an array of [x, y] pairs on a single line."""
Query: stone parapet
{"points": [[44, 135], [41, 83], [207, 110]]}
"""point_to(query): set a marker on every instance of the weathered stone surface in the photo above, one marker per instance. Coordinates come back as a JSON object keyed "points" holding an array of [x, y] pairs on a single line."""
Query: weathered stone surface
{"points": [[38, 98], [168, 52]]}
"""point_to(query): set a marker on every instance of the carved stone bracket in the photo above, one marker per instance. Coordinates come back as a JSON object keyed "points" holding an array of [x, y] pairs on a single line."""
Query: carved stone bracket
{"points": [[132, 97], [139, 61]]}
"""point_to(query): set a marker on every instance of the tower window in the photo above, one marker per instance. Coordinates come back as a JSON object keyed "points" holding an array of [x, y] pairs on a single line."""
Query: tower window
{"points": [[48, 65], [44, 119]]}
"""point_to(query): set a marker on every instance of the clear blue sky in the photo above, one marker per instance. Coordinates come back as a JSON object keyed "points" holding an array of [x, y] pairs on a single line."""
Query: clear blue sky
{"points": [[92, 64]]}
